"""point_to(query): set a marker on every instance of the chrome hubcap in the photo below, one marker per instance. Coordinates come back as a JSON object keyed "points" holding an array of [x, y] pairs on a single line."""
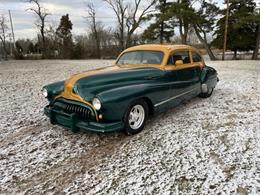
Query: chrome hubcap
{"points": [[136, 117]]}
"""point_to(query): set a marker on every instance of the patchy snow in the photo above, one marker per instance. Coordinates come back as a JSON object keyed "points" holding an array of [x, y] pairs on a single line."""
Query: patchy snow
{"points": [[204, 146]]}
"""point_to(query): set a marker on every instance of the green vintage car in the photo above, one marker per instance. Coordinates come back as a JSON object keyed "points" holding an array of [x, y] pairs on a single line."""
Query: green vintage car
{"points": [[145, 80]]}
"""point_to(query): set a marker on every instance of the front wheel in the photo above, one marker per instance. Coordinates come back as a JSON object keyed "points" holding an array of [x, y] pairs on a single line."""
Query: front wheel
{"points": [[135, 117]]}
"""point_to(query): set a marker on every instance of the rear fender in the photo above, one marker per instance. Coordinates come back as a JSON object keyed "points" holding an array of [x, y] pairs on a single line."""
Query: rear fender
{"points": [[209, 76]]}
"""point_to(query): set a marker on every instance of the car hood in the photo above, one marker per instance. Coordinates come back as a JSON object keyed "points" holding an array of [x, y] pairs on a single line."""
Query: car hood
{"points": [[91, 83]]}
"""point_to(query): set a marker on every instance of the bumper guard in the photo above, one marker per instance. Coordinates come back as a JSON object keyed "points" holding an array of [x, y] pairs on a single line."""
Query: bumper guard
{"points": [[74, 123]]}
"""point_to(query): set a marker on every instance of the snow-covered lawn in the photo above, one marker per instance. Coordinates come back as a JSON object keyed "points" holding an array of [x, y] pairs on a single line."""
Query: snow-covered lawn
{"points": [[204, 146]]}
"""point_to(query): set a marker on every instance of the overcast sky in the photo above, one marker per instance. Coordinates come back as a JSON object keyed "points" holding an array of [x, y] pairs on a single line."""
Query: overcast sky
{"points": [[24, 21]]}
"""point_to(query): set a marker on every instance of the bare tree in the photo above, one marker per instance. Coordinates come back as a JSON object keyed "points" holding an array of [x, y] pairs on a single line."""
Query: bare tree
{"points": [[41, 14], [94, 25], [129, 17], [3, 29], [134, 20], [119, 9]]}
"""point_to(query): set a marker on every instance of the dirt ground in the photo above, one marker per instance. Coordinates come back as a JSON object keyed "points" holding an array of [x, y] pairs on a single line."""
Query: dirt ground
{"points": [[204, 146]]}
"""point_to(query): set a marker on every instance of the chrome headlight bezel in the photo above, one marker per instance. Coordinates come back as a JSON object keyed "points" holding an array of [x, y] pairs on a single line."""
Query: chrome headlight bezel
{"points": [[45, 92], [96, 103]]}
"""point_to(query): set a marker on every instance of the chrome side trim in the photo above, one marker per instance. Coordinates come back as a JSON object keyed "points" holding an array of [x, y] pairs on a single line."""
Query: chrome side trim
{"points": [[174, 97]]}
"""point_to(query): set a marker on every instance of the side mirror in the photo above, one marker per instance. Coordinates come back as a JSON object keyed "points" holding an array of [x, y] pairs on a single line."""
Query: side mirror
{"points": [[179, 62]]}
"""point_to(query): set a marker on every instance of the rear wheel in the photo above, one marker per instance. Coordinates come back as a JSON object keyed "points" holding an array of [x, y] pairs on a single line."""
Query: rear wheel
{"points": [[135, 117], [206, 91]]}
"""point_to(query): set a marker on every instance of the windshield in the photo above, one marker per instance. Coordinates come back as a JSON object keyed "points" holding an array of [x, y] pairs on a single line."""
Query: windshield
{"points": [[141, 57]]}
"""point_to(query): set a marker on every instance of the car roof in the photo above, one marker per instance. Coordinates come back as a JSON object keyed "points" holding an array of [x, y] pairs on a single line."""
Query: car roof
{"points": [[160, 47]]}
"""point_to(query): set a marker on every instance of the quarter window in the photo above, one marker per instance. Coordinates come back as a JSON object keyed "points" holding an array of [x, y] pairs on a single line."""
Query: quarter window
{"points": [[181, 55], [196, 57]]}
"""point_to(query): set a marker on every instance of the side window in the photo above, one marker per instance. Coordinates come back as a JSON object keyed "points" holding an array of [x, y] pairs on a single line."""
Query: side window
{"points": [[196, 57], [180, 55]]}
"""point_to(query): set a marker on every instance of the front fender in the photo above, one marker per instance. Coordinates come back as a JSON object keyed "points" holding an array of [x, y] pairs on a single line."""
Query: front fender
{"points": [[54, 89], [116, 101]]}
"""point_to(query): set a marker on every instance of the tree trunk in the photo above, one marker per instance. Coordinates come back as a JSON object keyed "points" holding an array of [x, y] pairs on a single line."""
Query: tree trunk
{"points": [[235, 55], [205, 44], [181, 31], [256, 50], [121, 40], [186, 30], [183, 39], [98, 47], [4, 51], [3, 40], [43, 41], [122, 32], [128, 42], [161, 32], [97, 40]]}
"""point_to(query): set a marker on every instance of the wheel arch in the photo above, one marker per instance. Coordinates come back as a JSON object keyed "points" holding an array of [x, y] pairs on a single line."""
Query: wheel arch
{"points": [[150, 105]]}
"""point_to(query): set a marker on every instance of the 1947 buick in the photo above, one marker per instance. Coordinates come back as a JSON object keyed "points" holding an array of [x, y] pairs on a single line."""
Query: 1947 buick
{"points": [[145, 80]]}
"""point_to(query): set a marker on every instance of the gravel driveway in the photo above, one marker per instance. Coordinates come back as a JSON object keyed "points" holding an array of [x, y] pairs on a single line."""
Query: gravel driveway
{"points": [[204, 146]]}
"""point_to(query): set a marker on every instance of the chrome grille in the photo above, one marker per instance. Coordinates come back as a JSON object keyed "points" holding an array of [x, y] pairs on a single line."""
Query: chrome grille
{"points": [[82, 112]]}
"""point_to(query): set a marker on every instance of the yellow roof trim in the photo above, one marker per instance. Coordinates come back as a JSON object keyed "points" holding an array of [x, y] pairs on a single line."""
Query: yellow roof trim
{"points": [[159, 47]]}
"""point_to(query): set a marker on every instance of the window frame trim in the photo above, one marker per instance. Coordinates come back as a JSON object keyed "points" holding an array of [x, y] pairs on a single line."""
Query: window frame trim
{"points": [[162, 60], [201, 59], [180, 50]]}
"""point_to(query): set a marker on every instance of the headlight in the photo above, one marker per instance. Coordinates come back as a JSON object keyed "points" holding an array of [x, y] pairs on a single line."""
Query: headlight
{"points": [[45, 92], [96, 103]]}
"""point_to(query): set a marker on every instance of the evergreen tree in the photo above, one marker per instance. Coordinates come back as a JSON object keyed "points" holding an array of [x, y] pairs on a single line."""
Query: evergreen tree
{"points": [[183, 14], [203, 22], [31, 48], [163, 27], [186, 17], [257, 41], [78, 51], [241, 27], [64, 33], [18, 51]]}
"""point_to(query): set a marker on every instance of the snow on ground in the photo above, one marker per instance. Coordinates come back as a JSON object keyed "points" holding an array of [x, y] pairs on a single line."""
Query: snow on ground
{"points": [[204, 146]]}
